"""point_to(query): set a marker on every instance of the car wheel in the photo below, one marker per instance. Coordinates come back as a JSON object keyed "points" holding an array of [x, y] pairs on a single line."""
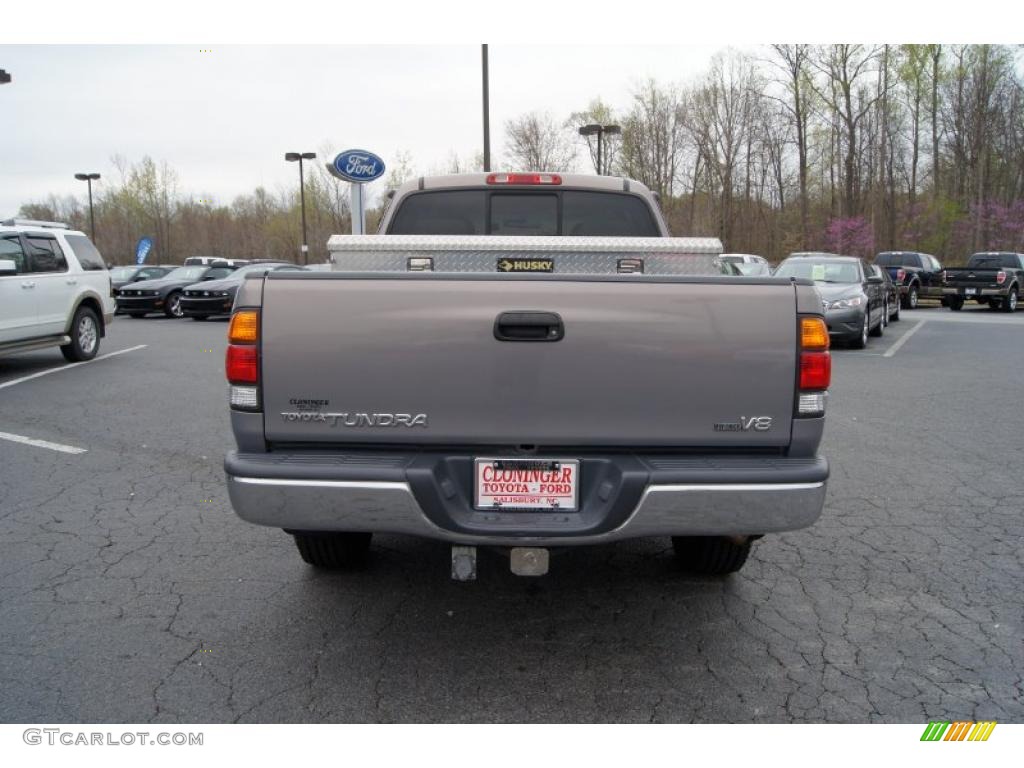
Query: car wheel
{"points": [[172, 305], [955, 303], [333, 551], [1010, 302], [911, 297], [85, 336], [861, 341], [710, 555], [879, 329], [895, 313]]}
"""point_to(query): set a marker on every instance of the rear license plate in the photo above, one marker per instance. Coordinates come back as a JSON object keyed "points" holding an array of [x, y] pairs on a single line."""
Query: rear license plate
{"points": [[527, 484], [969, 291]]}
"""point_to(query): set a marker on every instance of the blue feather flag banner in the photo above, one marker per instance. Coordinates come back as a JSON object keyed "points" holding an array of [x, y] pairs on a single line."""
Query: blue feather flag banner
{"points": [[142, 250]]}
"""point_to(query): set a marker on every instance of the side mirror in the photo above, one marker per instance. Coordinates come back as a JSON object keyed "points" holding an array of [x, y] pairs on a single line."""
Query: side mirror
{"points": [[875, 279], [138, 278], [8, 267]]}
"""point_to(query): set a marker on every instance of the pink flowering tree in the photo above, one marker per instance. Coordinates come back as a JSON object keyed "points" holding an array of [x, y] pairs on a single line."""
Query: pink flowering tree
{"points": [[853, 236], [1001, 227]]}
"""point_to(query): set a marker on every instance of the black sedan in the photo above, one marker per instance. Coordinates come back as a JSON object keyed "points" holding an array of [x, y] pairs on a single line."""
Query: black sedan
{"points": [[122, 276], [892, 292], [215, 297], [164, 293], [854, 299]]}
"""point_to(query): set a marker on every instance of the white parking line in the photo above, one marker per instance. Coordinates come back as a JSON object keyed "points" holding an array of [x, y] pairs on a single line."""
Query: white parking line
{"points": [[68, 367], [903, 339], [41, 443]]}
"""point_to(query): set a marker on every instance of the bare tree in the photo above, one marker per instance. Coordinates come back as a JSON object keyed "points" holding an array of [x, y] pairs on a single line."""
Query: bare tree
{"points": [[794, 61], [845, 67], [535, 142], [652, 138], [722, 113]]}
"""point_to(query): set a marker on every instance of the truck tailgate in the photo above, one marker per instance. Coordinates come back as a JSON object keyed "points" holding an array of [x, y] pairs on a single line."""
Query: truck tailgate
{"points": [[415, 359], [971, 277]]}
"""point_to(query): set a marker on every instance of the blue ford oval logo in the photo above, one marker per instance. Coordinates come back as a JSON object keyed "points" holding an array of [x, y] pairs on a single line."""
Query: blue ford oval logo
{"points": [[358, 165]]}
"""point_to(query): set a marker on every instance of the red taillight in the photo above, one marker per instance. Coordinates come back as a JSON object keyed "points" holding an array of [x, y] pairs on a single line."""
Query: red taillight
{"points": [[815, 370], [900, 275], [241, 364], [1000, 277], [525, 178]]}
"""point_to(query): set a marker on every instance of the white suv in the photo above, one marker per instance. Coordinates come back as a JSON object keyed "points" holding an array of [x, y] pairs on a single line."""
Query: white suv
{"points": [[54, 290]]}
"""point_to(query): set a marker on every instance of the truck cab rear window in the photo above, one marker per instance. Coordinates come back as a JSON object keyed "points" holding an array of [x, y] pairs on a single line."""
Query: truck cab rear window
{"points": [[486, 212], [898, 260], [994, 261]]}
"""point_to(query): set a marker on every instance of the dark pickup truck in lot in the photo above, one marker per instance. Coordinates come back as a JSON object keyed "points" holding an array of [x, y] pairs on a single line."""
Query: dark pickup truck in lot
{"points": [[525, 362], [994, 278], [917, 275]]}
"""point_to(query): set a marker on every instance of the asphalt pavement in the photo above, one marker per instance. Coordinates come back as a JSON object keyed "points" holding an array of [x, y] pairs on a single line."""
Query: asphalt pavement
{"points": [[130, 592]]}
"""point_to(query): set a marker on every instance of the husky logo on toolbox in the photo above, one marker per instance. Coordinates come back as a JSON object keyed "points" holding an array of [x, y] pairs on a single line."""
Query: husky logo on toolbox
{"points": [[526, 265]]}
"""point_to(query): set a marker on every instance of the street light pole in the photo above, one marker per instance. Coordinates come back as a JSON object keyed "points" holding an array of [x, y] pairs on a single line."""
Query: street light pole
{"points": [[487, 110], [90, 178], [599, 130], [292, 157]]}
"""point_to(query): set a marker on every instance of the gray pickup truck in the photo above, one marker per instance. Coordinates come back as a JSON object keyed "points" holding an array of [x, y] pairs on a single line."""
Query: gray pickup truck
{"points": [[527, 362]]}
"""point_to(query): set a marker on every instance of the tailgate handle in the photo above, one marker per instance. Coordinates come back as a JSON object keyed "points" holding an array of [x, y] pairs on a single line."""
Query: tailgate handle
{"points": [[528, 326]]}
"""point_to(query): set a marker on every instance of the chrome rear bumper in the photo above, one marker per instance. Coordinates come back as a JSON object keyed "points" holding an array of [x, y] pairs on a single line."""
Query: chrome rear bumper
{"points": [[391, 507]]}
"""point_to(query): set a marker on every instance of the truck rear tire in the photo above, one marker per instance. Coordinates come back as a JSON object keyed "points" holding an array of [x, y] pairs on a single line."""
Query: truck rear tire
{"points": [[956, 303], [1010, 302], [910, 298], [333, 551], [710, 555]]}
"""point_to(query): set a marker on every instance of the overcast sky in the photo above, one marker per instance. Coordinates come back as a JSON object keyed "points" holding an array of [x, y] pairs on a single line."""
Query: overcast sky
{"points": [[224, 119]]}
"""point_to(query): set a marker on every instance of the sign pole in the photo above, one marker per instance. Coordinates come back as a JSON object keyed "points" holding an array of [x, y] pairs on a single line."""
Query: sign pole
{"points": [[358, 167], [358, 210]]}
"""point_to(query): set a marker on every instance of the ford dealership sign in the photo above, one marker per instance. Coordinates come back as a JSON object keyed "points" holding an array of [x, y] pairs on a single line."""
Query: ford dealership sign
{"points": [[358, 166]]}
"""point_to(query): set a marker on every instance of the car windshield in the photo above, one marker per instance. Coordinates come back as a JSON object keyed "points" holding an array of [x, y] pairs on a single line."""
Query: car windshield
{"points": [[122, 273], [823, 271], [185, 273]]}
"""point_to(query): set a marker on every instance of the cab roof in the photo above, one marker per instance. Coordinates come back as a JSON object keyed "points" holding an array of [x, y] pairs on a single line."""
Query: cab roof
{"points": [[568, 181]]}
